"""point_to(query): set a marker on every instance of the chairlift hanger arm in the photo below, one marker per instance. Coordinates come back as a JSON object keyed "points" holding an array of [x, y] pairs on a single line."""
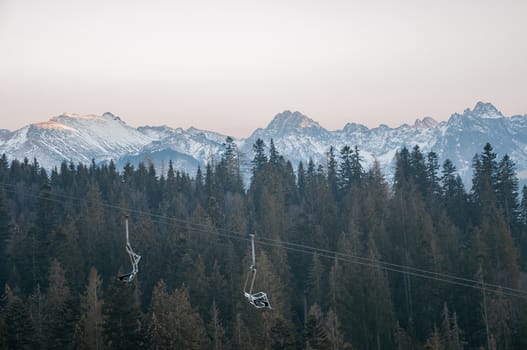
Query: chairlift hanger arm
{"points": [[134, 258], [259, 299]]}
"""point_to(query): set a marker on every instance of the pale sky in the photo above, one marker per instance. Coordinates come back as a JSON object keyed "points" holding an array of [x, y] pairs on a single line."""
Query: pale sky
{"points": [[230, 66]]}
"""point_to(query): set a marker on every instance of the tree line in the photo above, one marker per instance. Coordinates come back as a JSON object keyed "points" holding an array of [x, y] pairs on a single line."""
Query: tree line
{"points": [[62, 245]]}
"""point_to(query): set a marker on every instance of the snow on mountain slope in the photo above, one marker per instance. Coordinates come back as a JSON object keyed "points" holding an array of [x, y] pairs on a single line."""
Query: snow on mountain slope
{"points": [[4, 135], [295, 136], [81, 138], [77, 138], [312, 141], [188, 142], [107, 132], [156, 132]]}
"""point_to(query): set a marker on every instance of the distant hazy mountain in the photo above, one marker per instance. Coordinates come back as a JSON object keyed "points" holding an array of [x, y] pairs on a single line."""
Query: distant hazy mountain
{"points": [[83, 138]]}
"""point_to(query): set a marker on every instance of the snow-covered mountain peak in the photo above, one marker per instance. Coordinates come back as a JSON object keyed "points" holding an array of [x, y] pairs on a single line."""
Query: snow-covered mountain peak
{"points": [[425, 123], [81, 138], [53, 125], [110, 116], [77, 116], [354, 127], [211, 135], [287, 121], [484, 110], [157, 132], [85, 118]]}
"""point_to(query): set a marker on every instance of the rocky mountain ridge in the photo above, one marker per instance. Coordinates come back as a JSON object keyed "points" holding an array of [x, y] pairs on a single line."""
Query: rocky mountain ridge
{"points": [[83, 138]]}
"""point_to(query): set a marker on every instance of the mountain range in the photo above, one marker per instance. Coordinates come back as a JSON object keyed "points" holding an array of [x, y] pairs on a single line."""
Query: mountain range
{"points": [[83, 138]]}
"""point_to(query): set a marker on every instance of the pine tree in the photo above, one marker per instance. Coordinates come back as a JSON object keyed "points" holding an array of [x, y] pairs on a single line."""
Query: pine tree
{"points": [[161, 320], [37, 310], [301, 179], [456, 340], [241, 337], [403, 169], [198, 285], [334, 332], [315, 333], [189, 331], [483, 180], [173, 320], [507, 190], [274, 156], [454, 195], [282, 336], [4, 239], [221, 291], [40, 235], [419, 174], [122, 326], [58, 308], [216, 331], [435, 342], [402, 339], [19, 332], [89, 327], [345, 171], [260, 159], [432, 173], [332, 172], [378, 316], [235, 212], [156, 335], [66, 247], [499, 309], [97, 244], [345, 289], [316, 282]]}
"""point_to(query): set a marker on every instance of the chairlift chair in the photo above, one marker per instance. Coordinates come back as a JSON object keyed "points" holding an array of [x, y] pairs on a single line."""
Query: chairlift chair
{"points": [[134, 258], [258, 299]]}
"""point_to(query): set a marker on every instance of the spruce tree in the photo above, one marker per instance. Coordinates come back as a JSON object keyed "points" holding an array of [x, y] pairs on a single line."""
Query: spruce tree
{"points": [[332, 172], [260, 159], [189, 331], [89, 328], [282, 336], [18, 332], [435, 341], [4, 240], [215, 329], [315, 335], [122, 326], [507, 191], [59, 310]]}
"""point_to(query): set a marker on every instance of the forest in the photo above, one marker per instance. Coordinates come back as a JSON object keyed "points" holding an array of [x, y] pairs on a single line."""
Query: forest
{"points": [[348, 259]]}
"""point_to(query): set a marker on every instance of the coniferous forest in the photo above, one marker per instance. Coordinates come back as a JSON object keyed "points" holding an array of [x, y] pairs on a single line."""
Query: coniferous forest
{"points": [[348, 259]]}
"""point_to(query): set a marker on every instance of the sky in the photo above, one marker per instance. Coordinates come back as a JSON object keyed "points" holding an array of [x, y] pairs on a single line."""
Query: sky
{"points": [[230, 66]]}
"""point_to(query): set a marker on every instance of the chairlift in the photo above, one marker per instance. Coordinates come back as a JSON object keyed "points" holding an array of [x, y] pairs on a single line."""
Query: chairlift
{"points": [[258, 299], [134, 258]]}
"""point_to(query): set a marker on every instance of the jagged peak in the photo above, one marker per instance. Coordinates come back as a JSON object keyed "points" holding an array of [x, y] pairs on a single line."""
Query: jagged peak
{"points": [[425, 123], [351, 127], [484, 110], [110, 115], [292, 120], [105, 115]]}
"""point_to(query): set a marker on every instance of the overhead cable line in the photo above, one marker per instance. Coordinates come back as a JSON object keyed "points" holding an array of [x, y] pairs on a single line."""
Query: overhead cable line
{"points": [[295, 247]]}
